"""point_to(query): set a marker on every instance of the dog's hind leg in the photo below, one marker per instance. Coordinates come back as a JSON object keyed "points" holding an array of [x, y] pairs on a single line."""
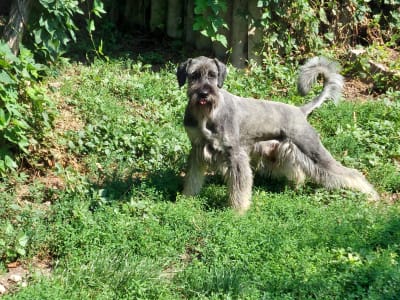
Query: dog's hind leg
{"points": [[240, 180], [331, 174], [194, 178]]}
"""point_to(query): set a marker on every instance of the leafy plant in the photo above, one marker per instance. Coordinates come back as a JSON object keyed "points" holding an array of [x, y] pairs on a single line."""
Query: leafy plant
{"points": [[297, 27], [286, 22], [55, 28], [97, 9], [52, 25], [26, 113], [13, 243], [209, 21]]}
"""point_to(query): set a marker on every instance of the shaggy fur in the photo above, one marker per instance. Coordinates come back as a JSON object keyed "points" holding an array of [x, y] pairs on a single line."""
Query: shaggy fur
{"points": [[232, 135]]}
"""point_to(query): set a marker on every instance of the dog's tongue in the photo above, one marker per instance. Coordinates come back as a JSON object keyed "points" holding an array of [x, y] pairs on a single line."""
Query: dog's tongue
{"points": [[203, 101]]}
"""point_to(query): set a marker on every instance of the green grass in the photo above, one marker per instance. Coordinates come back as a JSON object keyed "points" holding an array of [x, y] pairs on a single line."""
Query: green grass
{"points": [[119, 229]]}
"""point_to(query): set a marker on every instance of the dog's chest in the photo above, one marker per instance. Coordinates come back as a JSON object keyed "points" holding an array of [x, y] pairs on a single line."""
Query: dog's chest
{"points": [[205, 132]]}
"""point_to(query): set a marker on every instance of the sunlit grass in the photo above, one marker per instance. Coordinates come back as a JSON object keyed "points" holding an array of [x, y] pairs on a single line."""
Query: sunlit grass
{"points": [[120, 229]]}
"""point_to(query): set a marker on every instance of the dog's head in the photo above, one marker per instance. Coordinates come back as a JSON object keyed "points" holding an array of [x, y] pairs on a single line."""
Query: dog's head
{"points": [[205, 76]]}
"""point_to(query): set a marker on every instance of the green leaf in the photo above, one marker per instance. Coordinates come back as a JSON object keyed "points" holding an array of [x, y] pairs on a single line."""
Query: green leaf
{"points": [[23, 144], [9, 162], [22, 239], [205, 33], [9, 229], [4, 119], [5, 78], [98, 8], [198, 24], [71, 145], [5, 51], [91, 26], [21, 251], [46, 1], [322, 16], [221, 39], [200, 7], [37, 34]]}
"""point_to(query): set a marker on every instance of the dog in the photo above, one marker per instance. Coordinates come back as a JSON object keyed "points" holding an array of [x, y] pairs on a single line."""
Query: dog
{"points": [[234, 135]]}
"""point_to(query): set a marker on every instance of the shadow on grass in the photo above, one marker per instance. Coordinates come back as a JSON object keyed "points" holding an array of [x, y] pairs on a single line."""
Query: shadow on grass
{"points": [[166, 184], [388, 235], [272, 185], [162, 185]]}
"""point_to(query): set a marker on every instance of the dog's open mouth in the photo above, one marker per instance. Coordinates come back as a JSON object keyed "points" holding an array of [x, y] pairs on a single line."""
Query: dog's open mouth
{"points": [[203, 101]]}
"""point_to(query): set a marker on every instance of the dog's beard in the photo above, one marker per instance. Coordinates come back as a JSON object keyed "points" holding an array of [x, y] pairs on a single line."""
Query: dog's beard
{"points": [[203, 104]]}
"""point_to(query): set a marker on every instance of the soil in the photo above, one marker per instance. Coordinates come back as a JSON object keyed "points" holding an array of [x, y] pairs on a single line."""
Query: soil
{"points": [[357, 90], [18, 273]]}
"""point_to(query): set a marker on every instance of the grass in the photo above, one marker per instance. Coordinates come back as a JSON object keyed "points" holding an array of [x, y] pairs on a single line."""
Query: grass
{"points": [[119, 228]]}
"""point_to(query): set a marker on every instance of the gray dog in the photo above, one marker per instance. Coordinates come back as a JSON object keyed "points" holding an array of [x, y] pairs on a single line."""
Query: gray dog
{"points": [[231, 134]]}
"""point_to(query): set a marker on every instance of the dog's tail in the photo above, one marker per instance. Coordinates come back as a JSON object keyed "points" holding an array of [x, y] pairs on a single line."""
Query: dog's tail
{"points": [[333, 82]]}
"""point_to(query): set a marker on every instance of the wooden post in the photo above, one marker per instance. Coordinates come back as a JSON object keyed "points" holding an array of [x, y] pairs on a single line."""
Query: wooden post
{"points": [[189, 20], [135, 12], [254, 33], [239, 34], [158, 14], [174, 18]]}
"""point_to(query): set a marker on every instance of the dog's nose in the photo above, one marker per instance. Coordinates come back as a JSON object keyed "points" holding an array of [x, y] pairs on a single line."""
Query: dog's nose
{"points": [[203, 94]]}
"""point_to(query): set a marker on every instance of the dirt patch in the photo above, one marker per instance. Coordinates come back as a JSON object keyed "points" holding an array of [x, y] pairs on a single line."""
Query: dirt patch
{"points": [[357, 90], [68, 118], [18, 274], [45, 157], [391, 198]]}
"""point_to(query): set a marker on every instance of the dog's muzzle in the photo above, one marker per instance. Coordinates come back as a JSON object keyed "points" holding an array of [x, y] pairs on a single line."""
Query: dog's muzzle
{"points": [[203, 97]]}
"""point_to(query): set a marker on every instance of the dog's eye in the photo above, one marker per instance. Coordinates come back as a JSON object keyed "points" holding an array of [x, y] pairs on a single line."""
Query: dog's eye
{"points": [[194, 76], [212, 75]]}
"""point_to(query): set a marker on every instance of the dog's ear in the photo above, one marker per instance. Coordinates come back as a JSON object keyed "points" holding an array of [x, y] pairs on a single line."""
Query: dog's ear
{"points": [[181, 72], [221, 72]]}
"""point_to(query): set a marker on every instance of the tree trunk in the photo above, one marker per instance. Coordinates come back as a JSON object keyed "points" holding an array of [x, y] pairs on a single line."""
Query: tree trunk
{"points": [[14, 29]]}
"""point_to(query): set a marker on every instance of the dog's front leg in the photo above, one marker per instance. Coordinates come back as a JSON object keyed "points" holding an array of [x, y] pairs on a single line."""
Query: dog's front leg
{"points": [[240, 180], [194, 178]]}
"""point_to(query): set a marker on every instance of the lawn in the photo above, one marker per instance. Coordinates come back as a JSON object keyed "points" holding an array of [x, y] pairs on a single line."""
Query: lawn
{"points": [[104, 207]]}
